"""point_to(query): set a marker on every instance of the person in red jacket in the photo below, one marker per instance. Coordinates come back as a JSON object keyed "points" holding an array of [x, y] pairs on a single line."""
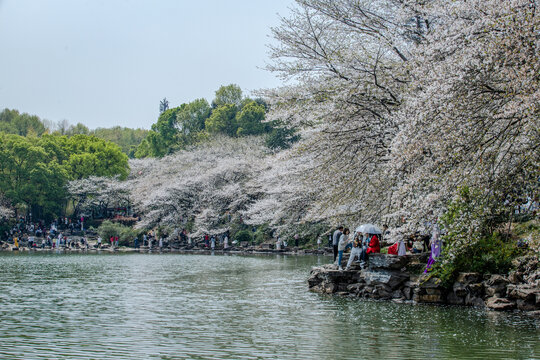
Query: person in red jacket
{"points": [[393, 250], [374, 246]]}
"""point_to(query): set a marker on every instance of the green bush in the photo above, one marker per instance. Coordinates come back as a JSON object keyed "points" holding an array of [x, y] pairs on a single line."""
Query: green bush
{"points": [[125, 234], [243, 235], [491, 255], [470, 243], [262, 234]]}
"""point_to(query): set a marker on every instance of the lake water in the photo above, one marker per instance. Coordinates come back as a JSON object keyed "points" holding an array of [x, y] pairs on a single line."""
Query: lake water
{"points": [[171, 306]]}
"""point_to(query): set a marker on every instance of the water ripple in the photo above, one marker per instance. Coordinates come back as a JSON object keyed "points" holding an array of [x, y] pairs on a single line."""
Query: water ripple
{"points": [[150, 306]]}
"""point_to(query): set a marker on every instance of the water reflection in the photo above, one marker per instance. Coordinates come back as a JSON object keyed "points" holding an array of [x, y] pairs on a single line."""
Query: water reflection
{"points": [[169, 306]]}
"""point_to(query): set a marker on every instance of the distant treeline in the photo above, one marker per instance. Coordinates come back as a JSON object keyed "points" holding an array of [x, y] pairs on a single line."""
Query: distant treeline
{"points": [[230, 113], [23, 124]]}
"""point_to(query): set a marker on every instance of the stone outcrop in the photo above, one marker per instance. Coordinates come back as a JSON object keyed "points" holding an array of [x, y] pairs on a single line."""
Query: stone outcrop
{"points": [[390, 277]]}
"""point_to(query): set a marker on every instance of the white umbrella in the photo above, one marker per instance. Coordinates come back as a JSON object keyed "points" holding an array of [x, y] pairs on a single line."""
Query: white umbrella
{"points": [[368, 228]]}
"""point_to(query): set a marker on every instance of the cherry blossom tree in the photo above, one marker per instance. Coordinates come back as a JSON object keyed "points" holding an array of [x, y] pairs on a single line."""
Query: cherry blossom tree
{"points": [[407, 102], [97, 194], [201, 184]]}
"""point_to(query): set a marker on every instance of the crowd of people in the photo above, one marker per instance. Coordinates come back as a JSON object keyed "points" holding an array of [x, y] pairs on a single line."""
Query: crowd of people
{"points": [[26, 233], [362, 244], [60, 234], [210, 242]]}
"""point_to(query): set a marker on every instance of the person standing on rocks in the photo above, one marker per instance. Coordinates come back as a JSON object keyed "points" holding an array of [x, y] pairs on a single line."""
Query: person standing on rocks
{"points": [[402, 250], [435, 249], [342, 245], [99, 240], [335, 240]]}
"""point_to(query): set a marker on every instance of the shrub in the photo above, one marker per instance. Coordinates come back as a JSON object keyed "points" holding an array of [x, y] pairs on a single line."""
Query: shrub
{"points": [[125, 234], [243, 235], [470, 244], [262, 234]]}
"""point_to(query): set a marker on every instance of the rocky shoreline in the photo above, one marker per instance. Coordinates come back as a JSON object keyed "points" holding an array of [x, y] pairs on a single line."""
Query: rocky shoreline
{"points": [[400, 279]]}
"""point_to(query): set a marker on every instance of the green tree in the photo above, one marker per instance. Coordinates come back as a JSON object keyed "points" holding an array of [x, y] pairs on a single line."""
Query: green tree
{"points": [[191, 117], [128, 139], [29, 177], [34, 171], [223, 120], [230, 94], [79, 129], [90, 156], [250, 118], [12, 122], [281, 136]]}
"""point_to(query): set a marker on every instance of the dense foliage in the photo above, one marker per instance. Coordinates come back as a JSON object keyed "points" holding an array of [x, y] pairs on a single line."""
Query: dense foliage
{"points": [[126, 138], [13, 122], [126, 234], [34, 171], [230, 114]]}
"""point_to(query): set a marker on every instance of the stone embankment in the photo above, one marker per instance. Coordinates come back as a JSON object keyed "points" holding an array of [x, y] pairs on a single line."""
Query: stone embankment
{"points": [[396, 278]]}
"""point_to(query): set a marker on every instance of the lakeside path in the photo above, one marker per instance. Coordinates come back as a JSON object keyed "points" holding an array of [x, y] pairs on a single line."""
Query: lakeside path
{"points": [[179, 250]]}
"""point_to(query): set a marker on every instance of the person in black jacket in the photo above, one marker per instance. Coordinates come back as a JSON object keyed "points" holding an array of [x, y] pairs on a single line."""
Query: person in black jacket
{"points": [[335, 240]]}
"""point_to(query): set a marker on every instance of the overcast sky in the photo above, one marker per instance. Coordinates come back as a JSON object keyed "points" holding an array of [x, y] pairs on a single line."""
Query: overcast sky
{"points": [[109, 62]]}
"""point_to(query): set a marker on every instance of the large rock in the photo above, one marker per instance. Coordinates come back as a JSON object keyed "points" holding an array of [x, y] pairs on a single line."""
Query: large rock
{"points": [[425, 298], [431, 282], [327, 279], [476, 289], [389, 262], [515, 277], [460, 289], [525, 306], [472, 300], [526, 264], [500, 304], [523, 292], [497, 283], [453, 299], [429, 290], [392, 279], [381, 291], [356, 288], [468, 278], [533, 278], [407, 292]]}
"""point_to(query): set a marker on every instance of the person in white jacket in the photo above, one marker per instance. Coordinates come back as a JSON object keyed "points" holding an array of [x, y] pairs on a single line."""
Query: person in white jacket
{"points": [[356, 250], [342, 245]]}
